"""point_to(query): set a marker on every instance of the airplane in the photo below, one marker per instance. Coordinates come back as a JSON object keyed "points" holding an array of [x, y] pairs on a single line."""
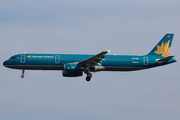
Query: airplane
{"points": [[74, 65]]}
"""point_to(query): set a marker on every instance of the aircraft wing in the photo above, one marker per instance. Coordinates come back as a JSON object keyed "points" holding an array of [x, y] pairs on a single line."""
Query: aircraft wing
{"points": [[92, 61]]}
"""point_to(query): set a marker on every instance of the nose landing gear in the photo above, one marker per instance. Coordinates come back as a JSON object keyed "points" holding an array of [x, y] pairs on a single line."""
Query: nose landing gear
{"points": [[22, 76]]}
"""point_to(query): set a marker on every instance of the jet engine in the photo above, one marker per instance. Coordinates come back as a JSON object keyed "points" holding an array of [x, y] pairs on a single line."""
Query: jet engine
{"points": [[72, 70], [72, 73]]}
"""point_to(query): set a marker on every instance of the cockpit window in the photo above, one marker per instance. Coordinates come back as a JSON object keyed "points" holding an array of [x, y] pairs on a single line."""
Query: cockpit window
{"points": [[12, 58]]}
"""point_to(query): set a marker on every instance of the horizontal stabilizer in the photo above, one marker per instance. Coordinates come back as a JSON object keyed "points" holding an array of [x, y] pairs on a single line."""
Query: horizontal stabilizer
{"points": [[164, 59]]}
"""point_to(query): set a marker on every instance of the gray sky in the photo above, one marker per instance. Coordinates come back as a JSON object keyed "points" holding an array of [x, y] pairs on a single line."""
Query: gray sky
{"points": [[131, 27]]}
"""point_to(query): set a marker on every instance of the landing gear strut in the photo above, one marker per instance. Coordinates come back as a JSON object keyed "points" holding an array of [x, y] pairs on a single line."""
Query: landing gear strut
{"points": [[89, 75], [22, 76]]}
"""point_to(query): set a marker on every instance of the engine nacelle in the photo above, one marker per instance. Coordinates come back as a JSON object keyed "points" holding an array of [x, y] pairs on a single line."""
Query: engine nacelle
{"points": [[72, 73], [72, 67]]}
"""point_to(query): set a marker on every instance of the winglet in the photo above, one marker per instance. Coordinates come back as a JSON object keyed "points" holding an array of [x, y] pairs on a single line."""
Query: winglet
{"points": [[109, 51]]}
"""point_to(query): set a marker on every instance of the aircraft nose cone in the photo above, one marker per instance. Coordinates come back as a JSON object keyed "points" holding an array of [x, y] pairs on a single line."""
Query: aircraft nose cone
{"points": [[5, 63]]}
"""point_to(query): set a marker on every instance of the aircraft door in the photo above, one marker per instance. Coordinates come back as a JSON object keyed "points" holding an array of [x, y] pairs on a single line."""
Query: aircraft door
{"points": [[22, 59], [57, 59], [145, 60]]}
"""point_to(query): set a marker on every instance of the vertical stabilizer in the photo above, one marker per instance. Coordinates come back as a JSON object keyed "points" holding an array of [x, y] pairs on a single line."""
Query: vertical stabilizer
{"points": [[163, 47]]}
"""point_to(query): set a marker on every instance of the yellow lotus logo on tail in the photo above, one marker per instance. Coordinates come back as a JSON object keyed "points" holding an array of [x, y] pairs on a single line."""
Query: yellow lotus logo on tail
{"points": [[163, 49]]}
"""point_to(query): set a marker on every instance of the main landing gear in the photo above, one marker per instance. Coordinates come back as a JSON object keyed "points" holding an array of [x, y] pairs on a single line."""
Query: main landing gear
{"points": [[88, 78], [22, 76], [89, 75]]}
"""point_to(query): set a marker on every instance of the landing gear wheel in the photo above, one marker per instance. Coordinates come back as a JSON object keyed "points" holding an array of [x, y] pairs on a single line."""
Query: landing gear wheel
{"points": [[22, 76], [89, 75], [88, 79]]}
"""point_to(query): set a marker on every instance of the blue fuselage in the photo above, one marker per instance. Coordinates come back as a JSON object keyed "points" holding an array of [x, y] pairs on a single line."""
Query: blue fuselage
{"points": [[57, 62]]}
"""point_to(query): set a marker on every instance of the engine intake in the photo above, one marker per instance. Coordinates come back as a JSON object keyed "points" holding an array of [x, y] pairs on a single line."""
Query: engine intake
{"points": [[72, 73]]}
